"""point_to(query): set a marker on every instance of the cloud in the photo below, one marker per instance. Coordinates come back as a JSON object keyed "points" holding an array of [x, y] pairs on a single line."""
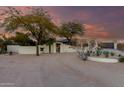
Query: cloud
{"points": [[95, 30]]}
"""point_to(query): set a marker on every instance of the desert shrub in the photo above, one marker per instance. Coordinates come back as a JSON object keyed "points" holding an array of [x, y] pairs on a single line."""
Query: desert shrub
{"points": [[112, 53], [119, 55], [83, 56], [93, 53], [88, 53], [98, 53], [106, 53], [121, 59]]}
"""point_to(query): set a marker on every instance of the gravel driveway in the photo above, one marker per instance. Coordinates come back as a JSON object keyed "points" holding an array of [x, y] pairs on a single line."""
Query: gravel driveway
{"points": [[58, 70]]}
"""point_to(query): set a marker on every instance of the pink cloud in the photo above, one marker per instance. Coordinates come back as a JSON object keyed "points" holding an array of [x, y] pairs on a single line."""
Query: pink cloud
{"points": [[95, 30]]}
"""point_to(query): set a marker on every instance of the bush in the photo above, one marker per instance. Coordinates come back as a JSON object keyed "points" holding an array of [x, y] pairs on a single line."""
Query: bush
{"points": [[106, 53], [98, 53], [112, 53], [119, 55], [121, 59], [88, 53]]}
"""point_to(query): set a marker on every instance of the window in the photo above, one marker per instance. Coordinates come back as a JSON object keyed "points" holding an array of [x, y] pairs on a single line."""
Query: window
{"points": [[108, 45]]}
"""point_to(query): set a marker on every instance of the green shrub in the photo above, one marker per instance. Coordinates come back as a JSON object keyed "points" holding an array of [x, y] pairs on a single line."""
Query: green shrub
{"points": [[106, 53], [121, 59], [112, 53], [119, 55], [98, 53]]}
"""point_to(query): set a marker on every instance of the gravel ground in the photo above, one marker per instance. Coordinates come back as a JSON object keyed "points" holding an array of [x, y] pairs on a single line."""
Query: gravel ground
{"points": [[58, 70]]}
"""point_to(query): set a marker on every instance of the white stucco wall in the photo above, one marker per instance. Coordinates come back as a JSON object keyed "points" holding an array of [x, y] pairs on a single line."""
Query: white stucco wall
{"points": [[13, 48], [32, 49], [27, 50], [53, 48], [67, 48]]}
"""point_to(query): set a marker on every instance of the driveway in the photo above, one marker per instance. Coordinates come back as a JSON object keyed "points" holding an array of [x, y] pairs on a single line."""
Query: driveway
{"points": [[58, 70]]}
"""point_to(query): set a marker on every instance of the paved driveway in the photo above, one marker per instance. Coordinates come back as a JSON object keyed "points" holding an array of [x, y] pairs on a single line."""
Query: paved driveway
{"points": [[58, 70]]}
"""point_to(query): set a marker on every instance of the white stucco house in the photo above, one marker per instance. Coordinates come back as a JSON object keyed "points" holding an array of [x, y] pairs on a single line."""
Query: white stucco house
{"points": [[57, 47], [106, 43], [111, 45]]}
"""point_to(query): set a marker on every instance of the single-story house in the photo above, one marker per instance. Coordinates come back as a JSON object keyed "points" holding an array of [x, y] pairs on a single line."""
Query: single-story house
{"points": [[111, 44], [57, 47], [105, 43]]}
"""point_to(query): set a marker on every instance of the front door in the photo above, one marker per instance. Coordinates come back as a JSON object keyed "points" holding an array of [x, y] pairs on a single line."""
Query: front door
{"points": [[58, 48]]}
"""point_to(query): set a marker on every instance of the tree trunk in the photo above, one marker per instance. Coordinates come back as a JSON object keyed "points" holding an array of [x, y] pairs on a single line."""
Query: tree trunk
{"points": [[37, 49], [50, 48], [69, 40]]}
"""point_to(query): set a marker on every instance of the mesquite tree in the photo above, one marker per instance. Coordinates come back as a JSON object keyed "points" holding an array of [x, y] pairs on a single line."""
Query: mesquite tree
{"points": [[37, 22]]}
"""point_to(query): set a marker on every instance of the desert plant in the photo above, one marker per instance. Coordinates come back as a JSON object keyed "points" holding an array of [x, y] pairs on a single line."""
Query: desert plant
{"points": [[98, 53], [106, 53], [93, 53], [119, 55], [121, 59], [88, 53], [112, 53]]}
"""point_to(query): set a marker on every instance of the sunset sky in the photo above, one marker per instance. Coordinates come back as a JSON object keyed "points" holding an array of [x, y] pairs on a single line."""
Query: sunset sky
{"points": [[101, 22]]}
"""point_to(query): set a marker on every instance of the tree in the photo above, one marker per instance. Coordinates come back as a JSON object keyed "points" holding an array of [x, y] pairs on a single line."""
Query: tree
{"points": [[1, 46], [1, 40], [49, 42], [38, 23], [120, 46], [70, 29], [22, 39], [92, 43]]}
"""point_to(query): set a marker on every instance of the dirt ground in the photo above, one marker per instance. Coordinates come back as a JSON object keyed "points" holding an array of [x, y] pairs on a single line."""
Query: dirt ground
{"points": [[58, 70]]}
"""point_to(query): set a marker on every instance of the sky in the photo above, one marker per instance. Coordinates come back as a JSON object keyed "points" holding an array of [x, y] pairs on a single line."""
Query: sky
{"points": [[99, 21]]}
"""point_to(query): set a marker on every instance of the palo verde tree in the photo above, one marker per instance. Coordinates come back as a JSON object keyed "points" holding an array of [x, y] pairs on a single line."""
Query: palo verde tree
{"points": [[70, 29], [37, 22]]}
